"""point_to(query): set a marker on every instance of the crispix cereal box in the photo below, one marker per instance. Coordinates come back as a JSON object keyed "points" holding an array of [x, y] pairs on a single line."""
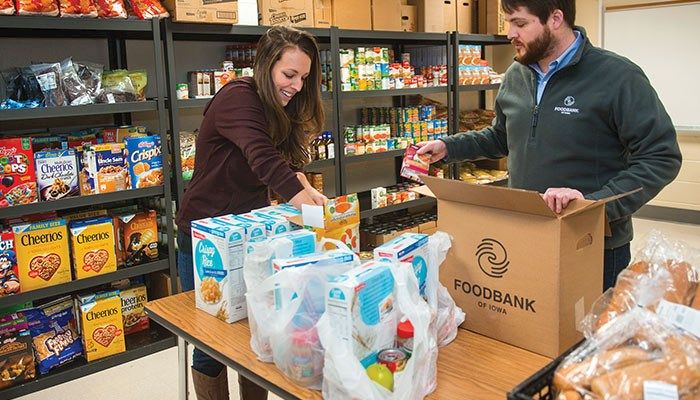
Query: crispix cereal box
{"points": [[144, 161], [42, 254], [102, 324]]}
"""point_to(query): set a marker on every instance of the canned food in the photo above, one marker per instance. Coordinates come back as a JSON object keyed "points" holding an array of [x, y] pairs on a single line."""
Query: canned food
{"points": [[360, 148], [394, 359]]}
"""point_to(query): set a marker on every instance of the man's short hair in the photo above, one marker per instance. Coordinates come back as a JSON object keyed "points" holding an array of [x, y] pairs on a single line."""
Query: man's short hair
{"points": [[543, 8]]}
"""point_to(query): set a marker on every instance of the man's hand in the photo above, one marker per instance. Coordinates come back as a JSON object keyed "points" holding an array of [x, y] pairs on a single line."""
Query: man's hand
{"points": [[436, 148], [558, 198]]}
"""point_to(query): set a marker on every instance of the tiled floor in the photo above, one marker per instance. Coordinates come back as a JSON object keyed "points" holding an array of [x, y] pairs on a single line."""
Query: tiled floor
{"points": [[155, 377]]}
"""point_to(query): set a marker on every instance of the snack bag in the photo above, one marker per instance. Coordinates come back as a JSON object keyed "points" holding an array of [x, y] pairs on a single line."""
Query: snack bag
{"points": [[133, 309], [93, 244], [414, 165], [17, 172], [9, 275], [37, 7], [139, 78], [42, 254], [77, 8], [57, 174], [111, 9], [187, 151], [147, 9], [7, 7], [102, 324], [144, 161]]}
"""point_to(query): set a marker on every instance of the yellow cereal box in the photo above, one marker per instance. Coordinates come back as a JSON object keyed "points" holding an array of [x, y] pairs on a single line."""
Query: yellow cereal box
{"points": [[93, 244], [102, 325], [43, 257], [133, 311], [338, 219]]}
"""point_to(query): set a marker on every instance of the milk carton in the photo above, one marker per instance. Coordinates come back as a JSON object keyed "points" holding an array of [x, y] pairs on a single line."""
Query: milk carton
{"points": [[360, 304], [217, 251], [410, 248]]}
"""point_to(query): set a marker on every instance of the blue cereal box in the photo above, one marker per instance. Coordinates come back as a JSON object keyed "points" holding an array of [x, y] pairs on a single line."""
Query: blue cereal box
{"points": [[144, 161]]}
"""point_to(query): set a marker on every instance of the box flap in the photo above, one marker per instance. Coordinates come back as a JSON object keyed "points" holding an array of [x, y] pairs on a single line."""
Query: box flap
{"points": [[424, 190], [518, 200], [578, 206]]}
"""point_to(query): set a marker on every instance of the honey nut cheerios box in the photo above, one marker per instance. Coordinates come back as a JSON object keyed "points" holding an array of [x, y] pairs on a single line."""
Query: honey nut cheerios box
{"points": [[144, 161], [43, 256], [17, 172], [93, 247], [139, 237], [133, 309], [102, 325]]}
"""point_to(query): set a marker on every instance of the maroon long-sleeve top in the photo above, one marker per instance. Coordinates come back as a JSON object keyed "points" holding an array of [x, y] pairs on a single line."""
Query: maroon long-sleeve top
{"points": [[235, 160]]}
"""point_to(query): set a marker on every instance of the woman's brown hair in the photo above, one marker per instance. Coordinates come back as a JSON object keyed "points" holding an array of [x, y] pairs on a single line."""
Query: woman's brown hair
{"points": [[290, 127]]}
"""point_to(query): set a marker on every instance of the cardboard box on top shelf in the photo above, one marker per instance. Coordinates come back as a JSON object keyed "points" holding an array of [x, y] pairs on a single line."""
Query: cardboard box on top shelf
{"points": [[323, 13], [299, 13], [221, 12], [386, 15], [437, 15], [464, 15], [492, 19], [409, 18], [352, 14], [525, 275]]}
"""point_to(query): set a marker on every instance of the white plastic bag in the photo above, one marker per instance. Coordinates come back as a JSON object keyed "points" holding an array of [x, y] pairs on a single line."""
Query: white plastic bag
{"points": [[447, 315], [343, 374]]}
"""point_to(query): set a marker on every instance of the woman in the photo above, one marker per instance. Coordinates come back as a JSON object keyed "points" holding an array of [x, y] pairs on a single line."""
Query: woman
{"points": [[253, 138]]}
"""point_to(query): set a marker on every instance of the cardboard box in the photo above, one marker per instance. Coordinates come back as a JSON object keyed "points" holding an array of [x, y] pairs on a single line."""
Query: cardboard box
{"points": [[323, 13], [248, 12], [338, 219], [524, 275], [464, 15], [352, 14], [409, 18], [492, 19], [437, 16], [386, 15], [299, 13], [203, 11]]}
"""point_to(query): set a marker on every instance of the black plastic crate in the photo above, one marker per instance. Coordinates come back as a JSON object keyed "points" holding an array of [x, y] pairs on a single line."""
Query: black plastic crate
{"points": [[539, 386]]}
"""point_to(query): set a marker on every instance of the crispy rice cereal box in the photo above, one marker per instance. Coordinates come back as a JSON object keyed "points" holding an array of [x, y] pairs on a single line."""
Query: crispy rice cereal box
{"points": [[9, 275], [102, 324], [56, 174], [18, 182], [139, 237], [144, 161], [133, 309], [103, 169], [93, 245], [43, 257]]}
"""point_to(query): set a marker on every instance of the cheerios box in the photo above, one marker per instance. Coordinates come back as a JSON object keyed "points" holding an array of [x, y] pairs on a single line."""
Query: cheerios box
{"points": [[101, 324], [17, 172], [56, 174], [103, 169], [338, 219], [144, 161], [218, 251], [133, 309], [93, 247], [409, 248], [43, 256]]}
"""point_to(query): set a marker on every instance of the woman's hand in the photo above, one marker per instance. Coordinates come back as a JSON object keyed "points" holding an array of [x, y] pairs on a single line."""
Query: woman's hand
{"points": [[318, 197]]}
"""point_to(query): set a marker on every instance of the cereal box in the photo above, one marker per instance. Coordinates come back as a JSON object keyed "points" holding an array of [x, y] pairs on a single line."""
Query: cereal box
{"points": [[17, 172], [92, 241], [56, 174], [54, 142], [133, 311], [139, 237], [144, 161], [409, 248], [9, 276], [339, 219], [414, 165], [42, 254], [117, 135], [217, 251], [103, 169], [16, 354], [102, 324]]}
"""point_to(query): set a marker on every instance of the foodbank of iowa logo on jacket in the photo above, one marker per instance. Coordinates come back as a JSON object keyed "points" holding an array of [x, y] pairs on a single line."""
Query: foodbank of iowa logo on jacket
{"points": [[491, 256], [568, 106]]}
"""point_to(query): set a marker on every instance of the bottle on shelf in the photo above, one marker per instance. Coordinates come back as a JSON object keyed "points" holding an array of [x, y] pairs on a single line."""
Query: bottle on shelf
{"points": [[321, 148], [330, 146]]}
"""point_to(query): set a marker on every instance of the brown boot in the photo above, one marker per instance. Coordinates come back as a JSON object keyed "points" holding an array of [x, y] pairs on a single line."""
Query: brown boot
{"points": [[210, 388], [249, 390]]}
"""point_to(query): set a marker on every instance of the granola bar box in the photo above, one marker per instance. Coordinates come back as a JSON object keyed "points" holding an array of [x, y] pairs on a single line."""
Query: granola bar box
{"points": [[56, 174], [103, 169], [43, 257], [17, 179], [93, 246], [144, 161], [102, 324]]}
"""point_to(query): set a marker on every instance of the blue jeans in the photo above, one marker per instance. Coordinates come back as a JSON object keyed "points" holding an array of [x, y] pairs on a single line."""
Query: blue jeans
{"points": [[615, 261], [201, 361]]}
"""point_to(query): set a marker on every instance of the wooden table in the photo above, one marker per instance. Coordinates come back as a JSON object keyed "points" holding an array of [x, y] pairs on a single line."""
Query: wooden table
{"points": [[471, 367]]}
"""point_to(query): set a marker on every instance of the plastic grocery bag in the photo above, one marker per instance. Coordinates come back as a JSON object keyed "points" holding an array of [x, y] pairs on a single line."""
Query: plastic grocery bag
{"points": [[344, 376], [447, 315]]}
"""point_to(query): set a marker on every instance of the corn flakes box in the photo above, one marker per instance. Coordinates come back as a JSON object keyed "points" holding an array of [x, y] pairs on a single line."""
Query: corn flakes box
{"points": [[140, 237], [340, 220], [93, 244], [56, 174], [17, 172], [144, 161], [102, 324], [9, 275], [43, 256], [133, 309], [103, 169]]}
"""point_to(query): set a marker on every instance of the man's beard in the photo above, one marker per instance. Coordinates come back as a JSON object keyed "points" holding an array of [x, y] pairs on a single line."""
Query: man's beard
{"points": [[537, 49]]}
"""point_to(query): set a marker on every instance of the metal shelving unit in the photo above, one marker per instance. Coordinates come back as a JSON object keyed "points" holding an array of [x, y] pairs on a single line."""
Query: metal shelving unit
{"points": [[320, 164], [478, 88], [374, 156], [116, 33], [423, 201], [394, 92]]}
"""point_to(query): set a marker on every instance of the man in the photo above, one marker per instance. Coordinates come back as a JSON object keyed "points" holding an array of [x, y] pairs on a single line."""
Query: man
{"points": [[575, 121]]}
